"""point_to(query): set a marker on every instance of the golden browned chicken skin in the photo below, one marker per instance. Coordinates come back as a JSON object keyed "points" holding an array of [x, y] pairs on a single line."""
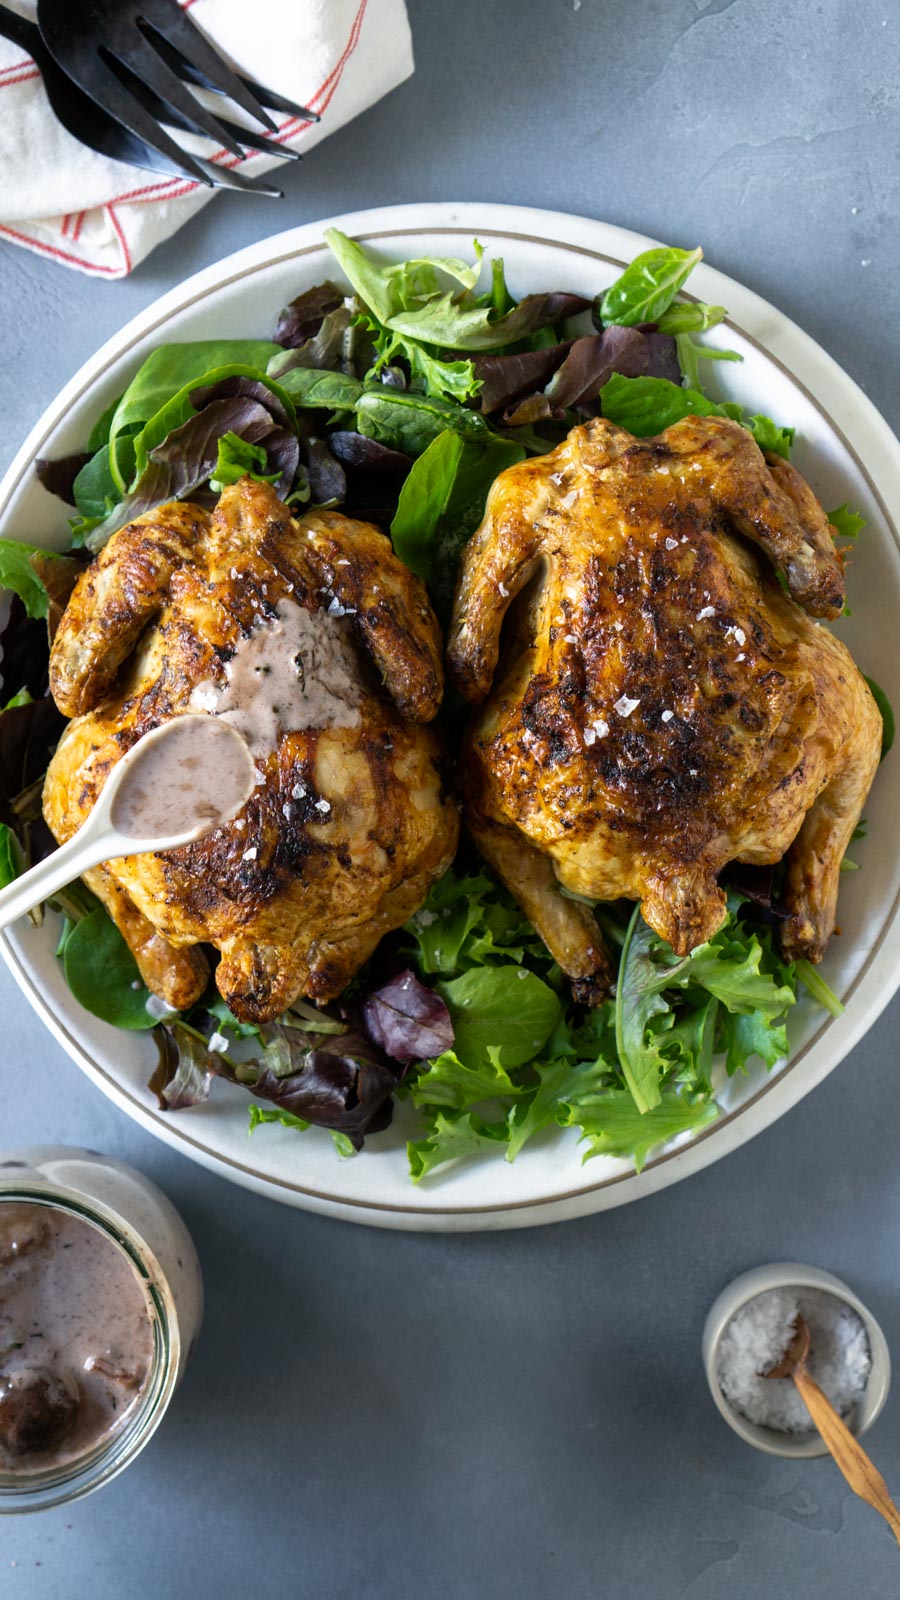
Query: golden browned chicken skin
{"points": [[349, 825], [662, 705]]}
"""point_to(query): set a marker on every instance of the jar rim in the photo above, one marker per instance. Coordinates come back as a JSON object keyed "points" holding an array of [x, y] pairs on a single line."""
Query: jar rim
{"points": [[57, 1486]]}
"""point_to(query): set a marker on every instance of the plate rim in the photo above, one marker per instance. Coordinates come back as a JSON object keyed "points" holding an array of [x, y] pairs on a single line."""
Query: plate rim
{"points": [[613, 246]]}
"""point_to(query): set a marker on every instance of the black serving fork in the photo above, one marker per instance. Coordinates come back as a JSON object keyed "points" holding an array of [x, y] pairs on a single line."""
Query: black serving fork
{"points": [[92, 126], [130, 57]]}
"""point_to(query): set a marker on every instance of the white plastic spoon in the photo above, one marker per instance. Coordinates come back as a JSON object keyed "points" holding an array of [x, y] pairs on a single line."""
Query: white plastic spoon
{"points": [[175, 785]]}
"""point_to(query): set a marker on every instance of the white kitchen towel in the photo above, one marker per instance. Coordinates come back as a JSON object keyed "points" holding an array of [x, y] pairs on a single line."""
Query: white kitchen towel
{"points": [[57, 197]]}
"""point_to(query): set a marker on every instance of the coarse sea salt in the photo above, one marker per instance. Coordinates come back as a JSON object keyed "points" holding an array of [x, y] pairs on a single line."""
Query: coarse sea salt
{"points": [[758, 1335]]}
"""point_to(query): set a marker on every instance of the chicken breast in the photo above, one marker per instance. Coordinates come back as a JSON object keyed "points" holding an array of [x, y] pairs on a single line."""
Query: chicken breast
{"points": [[661, 701], [324, 650]]}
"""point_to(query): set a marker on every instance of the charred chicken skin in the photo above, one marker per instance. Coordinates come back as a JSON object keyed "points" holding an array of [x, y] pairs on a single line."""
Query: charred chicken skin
{"points": [[340, 668], [659, 703]]}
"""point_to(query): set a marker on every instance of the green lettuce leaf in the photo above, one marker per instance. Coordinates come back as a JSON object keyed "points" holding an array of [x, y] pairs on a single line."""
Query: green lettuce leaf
{"points": [[745, 1035], [733, 967], [559, 1083], [847, 524], [451, 1136], [448, 1081], [691, 352], [690, 316], [238, 459], [389, 287], [613, 1126]]}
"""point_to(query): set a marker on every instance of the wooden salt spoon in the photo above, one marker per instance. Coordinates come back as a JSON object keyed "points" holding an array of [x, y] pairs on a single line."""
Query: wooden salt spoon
{"points": [[862, 1476]]}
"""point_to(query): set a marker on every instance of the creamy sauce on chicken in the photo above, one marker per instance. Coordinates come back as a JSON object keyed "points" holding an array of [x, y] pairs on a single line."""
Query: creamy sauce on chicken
{"points": [[198, 774], [76, 1338], [295, 670]]}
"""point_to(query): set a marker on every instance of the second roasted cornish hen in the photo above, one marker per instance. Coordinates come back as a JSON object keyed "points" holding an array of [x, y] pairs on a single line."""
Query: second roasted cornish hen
{"points": [[323, 649], [663, 704]]}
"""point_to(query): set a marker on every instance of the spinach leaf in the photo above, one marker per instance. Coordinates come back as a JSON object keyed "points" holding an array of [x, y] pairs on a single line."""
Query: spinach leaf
{"points": [[170, 371], [96, 491], [442, 500], [184, 404], [185, 459], [327, 391], [887, 715], [409, 422], [648, 286], [103, 974], [18, 574], [508, 1009], [647, 406], [99, 434]]}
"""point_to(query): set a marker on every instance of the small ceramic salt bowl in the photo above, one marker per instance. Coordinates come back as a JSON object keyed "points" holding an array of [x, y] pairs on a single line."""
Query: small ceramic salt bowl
{"points": [[793, 1275]]}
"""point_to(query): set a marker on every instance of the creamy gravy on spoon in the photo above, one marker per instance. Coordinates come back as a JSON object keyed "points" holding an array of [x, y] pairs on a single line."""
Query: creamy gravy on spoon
{"points": [[198, 774]]}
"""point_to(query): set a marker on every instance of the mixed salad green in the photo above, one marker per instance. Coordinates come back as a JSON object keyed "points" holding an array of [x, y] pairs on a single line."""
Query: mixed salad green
{"points": [[400, 399]]}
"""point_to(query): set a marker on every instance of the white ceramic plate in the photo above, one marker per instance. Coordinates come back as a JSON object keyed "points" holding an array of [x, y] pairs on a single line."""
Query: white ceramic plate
{"points": [[846, 450]]}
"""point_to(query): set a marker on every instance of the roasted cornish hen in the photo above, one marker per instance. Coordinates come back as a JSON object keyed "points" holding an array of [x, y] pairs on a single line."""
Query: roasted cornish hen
{"points": [[323, 648], [663, 704]]}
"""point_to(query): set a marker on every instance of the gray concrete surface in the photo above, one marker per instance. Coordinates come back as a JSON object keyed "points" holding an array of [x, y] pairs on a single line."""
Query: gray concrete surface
{"points": [[374, 1416]]}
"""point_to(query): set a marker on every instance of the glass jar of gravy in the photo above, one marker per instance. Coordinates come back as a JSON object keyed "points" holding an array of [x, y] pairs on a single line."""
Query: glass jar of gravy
{"points": [[100, 1304]]}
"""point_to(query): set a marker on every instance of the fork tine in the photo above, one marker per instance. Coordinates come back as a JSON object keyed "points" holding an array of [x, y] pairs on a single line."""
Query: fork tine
{"points": [[268, 97], [226, 178], [79, 114], [149, 71], [176, 119], [167, 18], [122, 106]]}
